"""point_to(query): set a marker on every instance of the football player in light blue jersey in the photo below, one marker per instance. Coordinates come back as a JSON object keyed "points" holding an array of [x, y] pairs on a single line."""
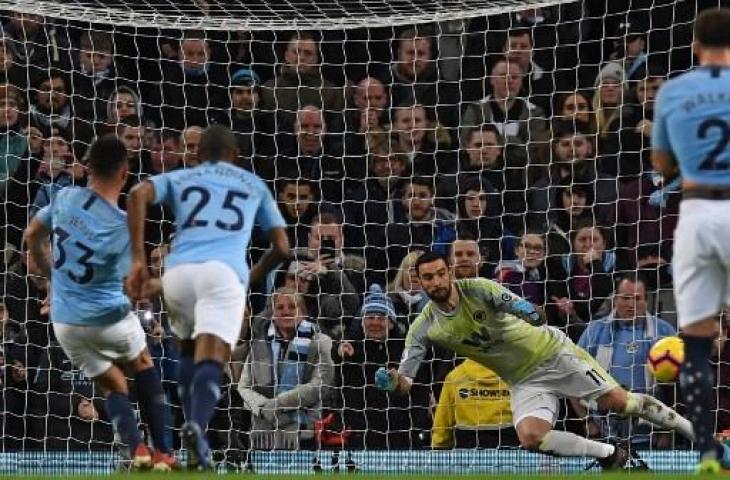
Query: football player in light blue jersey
{"points": [[216, 205], [691, 140], [91, 315]]}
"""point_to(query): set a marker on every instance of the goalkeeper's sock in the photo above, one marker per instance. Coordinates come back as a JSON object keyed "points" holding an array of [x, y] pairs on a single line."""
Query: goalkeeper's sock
{"points": [[654, 411], [566, 444], [695, 379], [185, 371], [205, 391], [125, 422], [152, 406]]}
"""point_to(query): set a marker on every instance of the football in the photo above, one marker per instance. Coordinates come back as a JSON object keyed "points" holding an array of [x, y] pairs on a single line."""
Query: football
{"points": [[665, 359]]}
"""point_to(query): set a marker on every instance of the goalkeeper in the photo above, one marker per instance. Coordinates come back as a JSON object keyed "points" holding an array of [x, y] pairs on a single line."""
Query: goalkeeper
{"points": [[481, 320]]}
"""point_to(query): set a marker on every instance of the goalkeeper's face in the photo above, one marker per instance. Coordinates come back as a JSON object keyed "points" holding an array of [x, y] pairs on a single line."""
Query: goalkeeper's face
{"points": [[436, 280]]}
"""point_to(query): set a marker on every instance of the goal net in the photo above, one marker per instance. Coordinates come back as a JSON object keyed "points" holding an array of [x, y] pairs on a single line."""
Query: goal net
{"points": [[512, 136]]}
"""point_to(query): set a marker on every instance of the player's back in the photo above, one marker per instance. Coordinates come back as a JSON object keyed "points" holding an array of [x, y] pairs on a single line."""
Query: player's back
{"points": [[692, 121], [90, 258], [216, 206]]}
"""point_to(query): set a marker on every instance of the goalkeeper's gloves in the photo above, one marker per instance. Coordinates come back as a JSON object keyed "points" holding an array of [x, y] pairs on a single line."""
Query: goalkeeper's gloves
{"points": [[386, 379]]}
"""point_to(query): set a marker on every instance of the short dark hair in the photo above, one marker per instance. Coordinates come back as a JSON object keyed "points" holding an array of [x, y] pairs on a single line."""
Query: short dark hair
{"points": [[327, 217], [106, 156], [49, 76], [633, 277], [97, 42], [215, 141], [429, 257], [423, 181], [712, 28], [519, 32], [299, 182]]}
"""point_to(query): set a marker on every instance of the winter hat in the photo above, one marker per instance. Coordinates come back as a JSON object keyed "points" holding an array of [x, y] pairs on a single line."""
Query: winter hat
{"points": [[245, 77], [611, 71], [376, 301]]}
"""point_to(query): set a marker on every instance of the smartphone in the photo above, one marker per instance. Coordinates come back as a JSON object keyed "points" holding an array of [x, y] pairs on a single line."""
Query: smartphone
{"points": [[327, 247]]}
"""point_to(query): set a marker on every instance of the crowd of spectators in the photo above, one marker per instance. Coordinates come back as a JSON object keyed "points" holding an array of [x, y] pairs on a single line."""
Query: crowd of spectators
{"points": [[520, 150]]}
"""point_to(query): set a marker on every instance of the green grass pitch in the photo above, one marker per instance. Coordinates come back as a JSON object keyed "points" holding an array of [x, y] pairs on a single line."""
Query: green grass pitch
{"points": [[186, 475]]}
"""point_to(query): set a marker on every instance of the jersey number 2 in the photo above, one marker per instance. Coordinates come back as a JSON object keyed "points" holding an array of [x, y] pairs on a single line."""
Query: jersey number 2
{"points": [[711, 162], [88, 273], [203, 199]]}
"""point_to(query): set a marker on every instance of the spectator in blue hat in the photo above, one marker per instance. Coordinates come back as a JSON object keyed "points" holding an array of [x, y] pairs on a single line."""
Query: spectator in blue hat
{"points": [[379, 420], [250, 124]]}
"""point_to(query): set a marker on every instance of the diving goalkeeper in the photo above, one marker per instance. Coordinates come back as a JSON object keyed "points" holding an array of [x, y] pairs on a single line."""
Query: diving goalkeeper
{"points": [[481, 320]]}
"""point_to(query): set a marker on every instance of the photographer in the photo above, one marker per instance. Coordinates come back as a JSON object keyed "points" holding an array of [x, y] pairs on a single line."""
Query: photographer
{"points": [[332, 276]]}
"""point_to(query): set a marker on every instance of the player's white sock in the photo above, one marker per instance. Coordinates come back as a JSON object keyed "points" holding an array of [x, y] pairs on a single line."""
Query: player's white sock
{"points": [[654, 411], [566, 444]]}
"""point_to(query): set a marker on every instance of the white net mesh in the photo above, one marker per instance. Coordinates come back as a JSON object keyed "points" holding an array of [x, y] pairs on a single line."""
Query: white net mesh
{"points": [[269, 15], [513, 136]]}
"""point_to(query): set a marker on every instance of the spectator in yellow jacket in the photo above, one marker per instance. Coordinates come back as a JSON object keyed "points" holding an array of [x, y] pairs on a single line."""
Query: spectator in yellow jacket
{"points": [[473, 410]]}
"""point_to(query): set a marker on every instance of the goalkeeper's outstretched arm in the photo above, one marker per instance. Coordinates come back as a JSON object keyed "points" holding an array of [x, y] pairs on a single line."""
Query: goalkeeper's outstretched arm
{"points": [[417, 344]]}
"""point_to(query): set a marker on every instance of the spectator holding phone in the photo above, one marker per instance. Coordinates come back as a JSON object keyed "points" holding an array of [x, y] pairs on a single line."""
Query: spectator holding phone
{"points": [[332, 275]]}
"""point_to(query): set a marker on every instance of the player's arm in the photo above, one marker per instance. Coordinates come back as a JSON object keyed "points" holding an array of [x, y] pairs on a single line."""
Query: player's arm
{"points": [[270, 220], [36, 235], [662, 159], [417, 344], [506, 301], [140, 198], [277, 253], [664, 163]]}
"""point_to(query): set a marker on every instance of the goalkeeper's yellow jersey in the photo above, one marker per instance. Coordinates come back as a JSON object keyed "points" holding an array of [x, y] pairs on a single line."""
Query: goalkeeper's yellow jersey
{"points": [[473, 398], [489, 325]]}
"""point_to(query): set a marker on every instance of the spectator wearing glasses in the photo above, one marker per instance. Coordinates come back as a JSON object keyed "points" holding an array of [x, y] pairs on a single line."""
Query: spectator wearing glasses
{"points": [[526, 275]]}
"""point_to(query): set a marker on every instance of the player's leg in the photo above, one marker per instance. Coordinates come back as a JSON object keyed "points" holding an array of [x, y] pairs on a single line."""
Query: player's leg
{"points": [[700, 287], [218, 313], [180, 300], [151, 398], [185, 370], [218, 319], [647, 407], [79, 344], [113, 385], [697, 380], [534, 412]]}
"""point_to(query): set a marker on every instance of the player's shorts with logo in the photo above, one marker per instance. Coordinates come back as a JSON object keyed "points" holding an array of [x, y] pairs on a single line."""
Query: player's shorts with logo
{"points": [[94, 349], [572, 372], [701, 262], [205, 298]]}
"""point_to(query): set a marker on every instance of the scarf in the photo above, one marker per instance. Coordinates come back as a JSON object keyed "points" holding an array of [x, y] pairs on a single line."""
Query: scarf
{"points": [[289, 359], [604, 354]]}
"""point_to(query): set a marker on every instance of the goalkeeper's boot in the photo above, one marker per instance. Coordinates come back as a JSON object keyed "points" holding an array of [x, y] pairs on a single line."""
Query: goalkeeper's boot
{"points": [[708, 466], [141, 458], [617, 460], [199, 455], [164, 462]]}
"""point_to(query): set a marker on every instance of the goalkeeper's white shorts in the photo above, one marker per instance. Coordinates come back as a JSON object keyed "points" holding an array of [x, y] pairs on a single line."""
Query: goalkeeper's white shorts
{"points": [[94, 349], [572, 372], [204, 298], [701, 263]]}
